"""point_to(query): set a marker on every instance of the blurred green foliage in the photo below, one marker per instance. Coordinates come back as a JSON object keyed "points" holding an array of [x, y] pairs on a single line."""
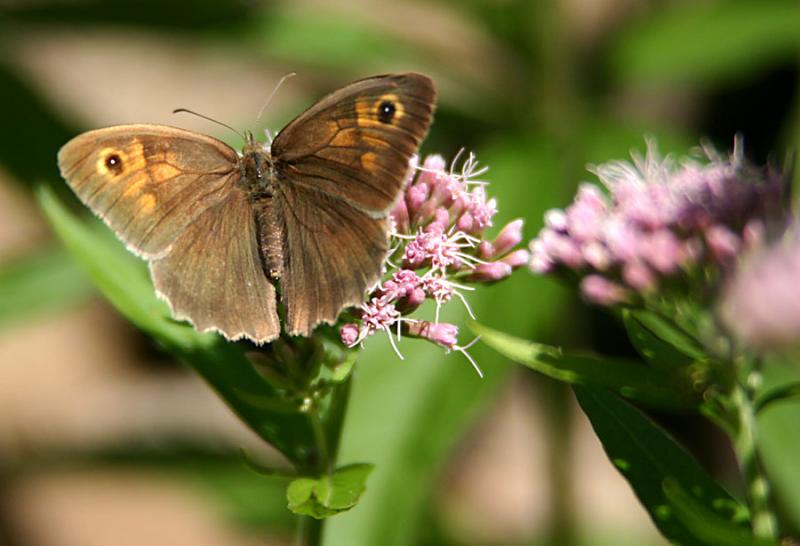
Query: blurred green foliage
{"points": [[537, 90]]}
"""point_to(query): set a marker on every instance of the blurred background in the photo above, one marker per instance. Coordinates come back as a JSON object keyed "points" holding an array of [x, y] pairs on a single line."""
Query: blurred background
{"points": [[105, 440]]}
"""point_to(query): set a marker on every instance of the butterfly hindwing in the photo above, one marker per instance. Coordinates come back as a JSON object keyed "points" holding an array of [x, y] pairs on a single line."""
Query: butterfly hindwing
{"points": [[213, 275], [332, 252]]}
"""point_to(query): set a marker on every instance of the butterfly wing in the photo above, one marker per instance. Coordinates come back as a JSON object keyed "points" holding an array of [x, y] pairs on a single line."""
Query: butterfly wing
{"points": [[172, 196], [148, 182], [213, 275], [355, 143], [332, 252], [340, 167]]}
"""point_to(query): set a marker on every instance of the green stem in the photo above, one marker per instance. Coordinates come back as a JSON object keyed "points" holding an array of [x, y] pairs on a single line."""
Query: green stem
{"points": [[322, 457], [309, 531], [327, 435], [746, 446]]}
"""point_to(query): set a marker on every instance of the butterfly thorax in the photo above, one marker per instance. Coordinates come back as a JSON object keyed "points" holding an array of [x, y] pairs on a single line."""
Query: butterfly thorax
{"points": [[257, 171], [257, 180]]}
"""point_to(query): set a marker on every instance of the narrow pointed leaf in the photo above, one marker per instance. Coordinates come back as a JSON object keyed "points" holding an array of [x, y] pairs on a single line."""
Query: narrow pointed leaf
{"points": [[657, 351], [646, 456], [629, 378], [705, 524]]}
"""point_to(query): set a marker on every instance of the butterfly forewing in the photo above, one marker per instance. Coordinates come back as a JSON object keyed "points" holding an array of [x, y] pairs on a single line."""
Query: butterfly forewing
{"points": [[213, 275], [148, 182], [340, 166], [356, 142]]}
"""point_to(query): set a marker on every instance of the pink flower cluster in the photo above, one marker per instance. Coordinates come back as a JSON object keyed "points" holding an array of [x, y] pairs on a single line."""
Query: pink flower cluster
{"points": [[438, 226], [760, 303], [658, 219]]}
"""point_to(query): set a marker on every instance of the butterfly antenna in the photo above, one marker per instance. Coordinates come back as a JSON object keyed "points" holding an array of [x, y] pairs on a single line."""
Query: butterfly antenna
{"points": [[275, 90], [187, 111]]}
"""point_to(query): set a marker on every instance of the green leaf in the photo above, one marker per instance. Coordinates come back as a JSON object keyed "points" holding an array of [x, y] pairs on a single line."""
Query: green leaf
{"points": [[42, 282], [629, 378], [707, 42], [778, 443], [706, 525], [330, 494], [646, 456], [123, 280], [669, 333], [657, 351]]}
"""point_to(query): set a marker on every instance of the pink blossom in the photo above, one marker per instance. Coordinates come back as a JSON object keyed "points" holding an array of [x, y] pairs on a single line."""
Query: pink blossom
{"points": [[540, 262], [723, 243], [437, 230], [416, 197], [490, 272], [760, 304], [349, 334], [517, 258], [599, 290], [596, 255], [486, 250], [399, 216], [509, 237], [378, 314], [662, 250], [443, 334], [639, 277], [438, 242], [659, 218], [556, 220]]}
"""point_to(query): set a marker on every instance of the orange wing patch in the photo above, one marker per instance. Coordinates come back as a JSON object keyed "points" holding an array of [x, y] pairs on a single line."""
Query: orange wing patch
{"points": [[369, 161], [161, 172], [146, 203]]}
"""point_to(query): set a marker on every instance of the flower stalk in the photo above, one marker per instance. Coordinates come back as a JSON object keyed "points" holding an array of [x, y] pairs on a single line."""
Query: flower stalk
{"points": [[745, 444], [327, 429]]}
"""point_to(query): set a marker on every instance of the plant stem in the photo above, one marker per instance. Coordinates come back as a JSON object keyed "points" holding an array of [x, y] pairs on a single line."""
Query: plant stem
{"points": [[309, 531], [746, 446], [327, 435], [322, 457]]}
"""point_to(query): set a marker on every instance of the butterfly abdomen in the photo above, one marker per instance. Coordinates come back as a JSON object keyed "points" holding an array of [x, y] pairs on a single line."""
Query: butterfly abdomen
{"points": [[268, 232]]}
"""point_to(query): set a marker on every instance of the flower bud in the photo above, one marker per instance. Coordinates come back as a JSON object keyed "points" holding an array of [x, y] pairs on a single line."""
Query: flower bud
{"points": [[490, 272], [443, 334], [509, 237], [516, 259], [349, 334], [601, 291]]}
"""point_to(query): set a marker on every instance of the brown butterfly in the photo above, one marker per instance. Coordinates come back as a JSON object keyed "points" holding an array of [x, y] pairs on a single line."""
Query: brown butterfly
{"points": [[307, 213]]}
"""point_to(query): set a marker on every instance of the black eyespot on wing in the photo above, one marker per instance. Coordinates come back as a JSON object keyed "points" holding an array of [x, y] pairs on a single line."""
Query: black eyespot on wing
{"points": [[114, 163], [386, 111]]}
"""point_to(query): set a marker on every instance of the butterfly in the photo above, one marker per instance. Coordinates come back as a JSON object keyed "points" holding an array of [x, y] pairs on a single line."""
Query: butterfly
{"points": [[303, 218]]}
